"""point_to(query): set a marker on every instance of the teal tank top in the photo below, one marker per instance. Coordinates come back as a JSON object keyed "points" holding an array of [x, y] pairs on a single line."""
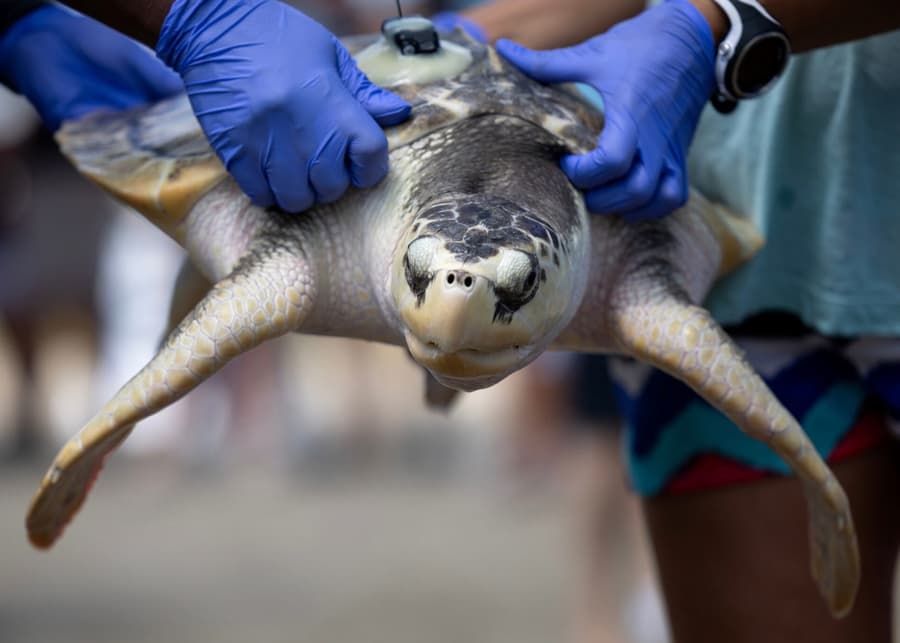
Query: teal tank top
{"points": [[816, 164]]}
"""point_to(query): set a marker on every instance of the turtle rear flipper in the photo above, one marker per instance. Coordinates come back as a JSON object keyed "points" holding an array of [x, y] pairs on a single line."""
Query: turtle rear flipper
{"points": [[437, 396], [662, 328], [268, 294], [738, 239]]}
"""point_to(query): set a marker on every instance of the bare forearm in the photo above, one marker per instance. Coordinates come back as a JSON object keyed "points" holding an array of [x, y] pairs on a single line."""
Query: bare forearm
{"points": [[542, 24], [818, 23], [140, 19]]}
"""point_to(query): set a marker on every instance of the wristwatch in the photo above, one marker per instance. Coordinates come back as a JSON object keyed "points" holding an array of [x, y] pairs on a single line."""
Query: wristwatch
{"points": [[752, 56]]}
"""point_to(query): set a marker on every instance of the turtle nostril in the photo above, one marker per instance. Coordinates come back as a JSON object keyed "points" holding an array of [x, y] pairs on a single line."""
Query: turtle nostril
{"points": [[460, 278]]}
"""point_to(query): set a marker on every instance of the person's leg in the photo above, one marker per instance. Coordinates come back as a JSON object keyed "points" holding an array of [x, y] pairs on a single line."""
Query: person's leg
{"points": [[617, 598], [28, 435], [729, 533], [616, 593], [733, 561]]}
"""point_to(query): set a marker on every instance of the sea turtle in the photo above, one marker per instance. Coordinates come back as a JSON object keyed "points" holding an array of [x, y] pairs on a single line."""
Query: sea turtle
{"points": [[474, 252]]}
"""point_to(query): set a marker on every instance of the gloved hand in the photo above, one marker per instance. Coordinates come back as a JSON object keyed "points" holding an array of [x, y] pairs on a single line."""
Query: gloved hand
{"points": [[280, 99], [655, 73], [67, 65], [450, 20]]}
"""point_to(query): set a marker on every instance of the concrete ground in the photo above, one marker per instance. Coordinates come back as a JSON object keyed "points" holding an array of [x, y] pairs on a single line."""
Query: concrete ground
{"points": [[248, 553]]}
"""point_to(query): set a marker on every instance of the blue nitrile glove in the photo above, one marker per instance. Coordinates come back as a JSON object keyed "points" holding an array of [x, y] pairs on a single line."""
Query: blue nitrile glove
{"points": [[280, 99], [67, 65], [655, 73], [450, 20]]}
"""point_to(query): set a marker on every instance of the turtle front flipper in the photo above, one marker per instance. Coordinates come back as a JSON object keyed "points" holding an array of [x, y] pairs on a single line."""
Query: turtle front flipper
{"points": [[268, 294], [665, 330]]}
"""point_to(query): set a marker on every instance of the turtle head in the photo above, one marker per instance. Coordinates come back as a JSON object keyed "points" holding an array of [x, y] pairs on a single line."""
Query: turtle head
{"points": [[482, 287]]}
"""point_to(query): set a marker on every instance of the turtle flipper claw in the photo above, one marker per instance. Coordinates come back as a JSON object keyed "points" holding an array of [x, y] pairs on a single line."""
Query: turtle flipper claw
{"points": [[66, 486], [834, 555]]}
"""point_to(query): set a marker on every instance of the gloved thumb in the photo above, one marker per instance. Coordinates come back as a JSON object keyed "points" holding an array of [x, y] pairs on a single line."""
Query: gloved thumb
{"points": [[156, 80], [554, 66], [385, 107]]}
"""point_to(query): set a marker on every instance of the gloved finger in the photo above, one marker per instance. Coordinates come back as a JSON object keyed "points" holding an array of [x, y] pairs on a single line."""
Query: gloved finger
{"points": [[291, 189], [156, 81], [250, 175], [551, 66], [630, 192], [328, 173], [385, 107], [450, 20], [671, 195], [367, 154], [613, 157], [285, 171]]}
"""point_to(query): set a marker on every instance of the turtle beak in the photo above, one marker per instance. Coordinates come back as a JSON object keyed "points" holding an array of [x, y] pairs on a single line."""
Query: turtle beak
{"points": [[445, 319], [466, 369], [452, 335]]}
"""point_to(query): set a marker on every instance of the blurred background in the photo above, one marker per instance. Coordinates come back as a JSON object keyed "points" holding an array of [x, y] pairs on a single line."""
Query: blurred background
{"points": [[305, 492]]}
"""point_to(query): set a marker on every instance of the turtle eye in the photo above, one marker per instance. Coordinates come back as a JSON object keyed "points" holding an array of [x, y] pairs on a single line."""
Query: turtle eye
{"points": [[417, 265], [530, 278], [420, 253], [516, 285], [517, 272]]}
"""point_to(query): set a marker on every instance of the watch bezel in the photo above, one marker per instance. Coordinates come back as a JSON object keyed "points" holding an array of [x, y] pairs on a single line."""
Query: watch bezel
{"points": [[740, 41]]}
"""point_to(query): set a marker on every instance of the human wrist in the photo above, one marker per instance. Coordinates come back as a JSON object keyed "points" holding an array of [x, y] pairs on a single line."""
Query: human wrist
{"points": [[693, 50], [30, 19], [715, 18], [181, 29], [449, 20], [473, 27], [16, 10], [137, 19], [38, 16], [702, 41]]}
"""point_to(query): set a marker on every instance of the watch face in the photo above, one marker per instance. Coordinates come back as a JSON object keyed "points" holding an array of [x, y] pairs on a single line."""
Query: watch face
{"points": [[762, 61]]}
